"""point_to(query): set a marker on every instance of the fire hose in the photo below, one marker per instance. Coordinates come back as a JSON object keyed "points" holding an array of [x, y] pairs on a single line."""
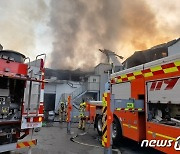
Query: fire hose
{"points": [[82, 143], [86, 144]]}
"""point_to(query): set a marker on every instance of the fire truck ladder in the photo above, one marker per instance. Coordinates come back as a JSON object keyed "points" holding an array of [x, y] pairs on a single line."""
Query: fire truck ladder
{"points": [[35, 74]]}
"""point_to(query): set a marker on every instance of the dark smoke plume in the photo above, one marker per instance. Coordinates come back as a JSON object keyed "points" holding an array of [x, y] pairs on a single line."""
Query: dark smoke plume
{"points": [[81, 27]]}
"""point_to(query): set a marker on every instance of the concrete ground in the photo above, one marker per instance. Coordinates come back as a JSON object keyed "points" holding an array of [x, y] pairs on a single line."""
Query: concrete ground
{"points": [[55, 140]]}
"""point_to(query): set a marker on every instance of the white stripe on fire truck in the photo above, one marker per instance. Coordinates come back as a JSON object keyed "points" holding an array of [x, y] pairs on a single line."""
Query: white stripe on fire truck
{"points": [[42, 95]]}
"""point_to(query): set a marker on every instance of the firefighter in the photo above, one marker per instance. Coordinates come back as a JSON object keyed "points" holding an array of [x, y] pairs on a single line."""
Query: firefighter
{"points": [[82, 117], [62, 112]]}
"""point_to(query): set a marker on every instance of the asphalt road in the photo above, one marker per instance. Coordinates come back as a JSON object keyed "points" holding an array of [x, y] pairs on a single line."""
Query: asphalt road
{"points": [[55, 140]]}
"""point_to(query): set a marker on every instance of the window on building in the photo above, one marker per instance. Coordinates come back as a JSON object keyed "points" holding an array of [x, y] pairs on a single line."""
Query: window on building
{"points": [[164, 54]]}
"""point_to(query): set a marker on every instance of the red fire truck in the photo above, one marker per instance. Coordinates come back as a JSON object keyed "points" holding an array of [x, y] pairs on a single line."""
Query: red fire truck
{"points": [[21, 98], [146, 100]]}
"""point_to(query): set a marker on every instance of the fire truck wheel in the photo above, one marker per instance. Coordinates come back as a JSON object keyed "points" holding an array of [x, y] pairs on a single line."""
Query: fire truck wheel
{"points": [[99, 124], [7, 152], [116, 131]]}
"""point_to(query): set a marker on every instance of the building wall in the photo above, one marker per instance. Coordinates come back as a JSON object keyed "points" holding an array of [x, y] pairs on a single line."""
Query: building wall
{"points": [[174, 49], [93, 78], [90, 96], [59, 88], [101, 70], [50, 88], [64, 88], [93, 86], [93, 83]]}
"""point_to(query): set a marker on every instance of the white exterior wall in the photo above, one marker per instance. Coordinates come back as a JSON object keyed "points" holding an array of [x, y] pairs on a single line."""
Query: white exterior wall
{"points": [[100, 70], [93, 86], [93, 78], [64, 88], [93, 83], [50, 88], [174, 49], [59, 89]]}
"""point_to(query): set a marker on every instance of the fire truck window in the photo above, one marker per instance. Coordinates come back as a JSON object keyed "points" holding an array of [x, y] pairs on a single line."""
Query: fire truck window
{"points": [[17, 90], [142, 97], [154, 57], [167, 114], [164, 54], [3, 83]]}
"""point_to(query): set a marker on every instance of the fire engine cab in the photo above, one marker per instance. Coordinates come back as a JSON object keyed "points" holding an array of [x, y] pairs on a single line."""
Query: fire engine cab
{"points": [[147, 103], [21, 97]]}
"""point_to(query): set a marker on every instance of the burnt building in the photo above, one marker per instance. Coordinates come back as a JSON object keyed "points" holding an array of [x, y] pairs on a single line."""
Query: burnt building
{"points": [[154, 53]]}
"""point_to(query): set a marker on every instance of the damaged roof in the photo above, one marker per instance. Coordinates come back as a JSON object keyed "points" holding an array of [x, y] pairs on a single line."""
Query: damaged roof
{"points": [[145, 56], [73, 75]]}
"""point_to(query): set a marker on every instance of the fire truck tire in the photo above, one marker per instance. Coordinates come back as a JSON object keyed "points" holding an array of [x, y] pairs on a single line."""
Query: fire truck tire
{"points": [[116, 131], [7, 152], [99, 124]]}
